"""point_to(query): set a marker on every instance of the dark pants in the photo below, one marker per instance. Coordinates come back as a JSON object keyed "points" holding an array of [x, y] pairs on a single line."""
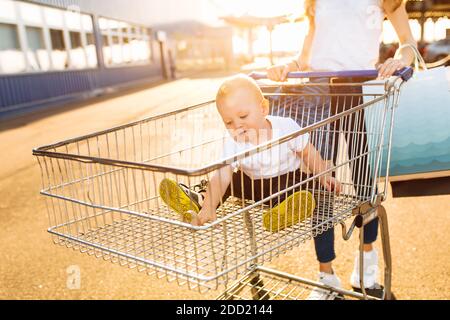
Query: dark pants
{"points": [[356, 138], [243, 187], [315, 106]]}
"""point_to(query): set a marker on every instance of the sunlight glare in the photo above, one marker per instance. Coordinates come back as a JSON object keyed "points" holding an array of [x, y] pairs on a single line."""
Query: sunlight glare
{"points": [[290, 37]]}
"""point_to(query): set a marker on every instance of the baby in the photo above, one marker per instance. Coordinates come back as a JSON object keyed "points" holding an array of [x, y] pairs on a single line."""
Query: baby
{"points": [[245, 113]]}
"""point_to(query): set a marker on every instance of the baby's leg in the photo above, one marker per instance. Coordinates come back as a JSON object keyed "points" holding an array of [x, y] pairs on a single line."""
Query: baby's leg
{"points": [[289, 207], [281, 183], [243, 187]]}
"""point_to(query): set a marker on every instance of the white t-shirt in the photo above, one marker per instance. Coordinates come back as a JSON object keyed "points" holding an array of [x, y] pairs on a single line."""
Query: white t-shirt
{"points": [[347, 34], [277, 160]]}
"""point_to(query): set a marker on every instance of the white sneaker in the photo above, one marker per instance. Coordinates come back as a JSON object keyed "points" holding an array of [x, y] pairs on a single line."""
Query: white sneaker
{"points": [[371, 270], [327, 279]]}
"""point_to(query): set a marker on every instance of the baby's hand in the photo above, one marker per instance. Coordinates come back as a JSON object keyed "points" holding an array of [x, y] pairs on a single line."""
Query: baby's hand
{"points": [[204, 216], [331, 184]]}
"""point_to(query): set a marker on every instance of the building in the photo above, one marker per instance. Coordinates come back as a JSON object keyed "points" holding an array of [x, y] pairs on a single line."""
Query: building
{"points": [[199, 46], [52, 51], [427, 9]]}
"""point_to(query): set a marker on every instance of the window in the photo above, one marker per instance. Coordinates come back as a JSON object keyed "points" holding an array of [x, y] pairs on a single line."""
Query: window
{"points": [[12, 59], [135, 49], [116, 50], [90, 39], [58, 52], [115, 40], [83, 52], [39, 38], [37, 54], [8, 34], [57, 38], [77, 53], [126, 50], [106, 50], [144, 46], [75, 40], [91, 50], [124, 43]]}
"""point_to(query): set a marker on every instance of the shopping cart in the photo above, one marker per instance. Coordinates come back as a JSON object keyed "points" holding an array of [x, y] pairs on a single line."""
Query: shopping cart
{"points": [[102, 193]]}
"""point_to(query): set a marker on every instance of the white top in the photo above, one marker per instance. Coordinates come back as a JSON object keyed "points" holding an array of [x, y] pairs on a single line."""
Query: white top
{"points": [[347, 34], [277, 160]]}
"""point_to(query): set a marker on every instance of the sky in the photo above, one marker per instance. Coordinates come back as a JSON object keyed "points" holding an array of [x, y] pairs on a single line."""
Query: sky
{"points": [[210, 11], [254, 7], [157, 12], [285, 37]]}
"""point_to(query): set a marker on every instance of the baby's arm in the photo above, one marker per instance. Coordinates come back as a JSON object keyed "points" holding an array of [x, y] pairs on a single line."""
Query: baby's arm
{"points": [[214, 193], [312, 158]]}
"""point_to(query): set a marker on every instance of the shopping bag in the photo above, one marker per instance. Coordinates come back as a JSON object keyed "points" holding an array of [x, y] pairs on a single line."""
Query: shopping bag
{"points": [[421, 136], [421, 127]]}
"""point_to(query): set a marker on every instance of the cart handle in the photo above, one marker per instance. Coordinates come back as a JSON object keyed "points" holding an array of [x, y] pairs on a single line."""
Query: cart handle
{"points": [[405, 73]]}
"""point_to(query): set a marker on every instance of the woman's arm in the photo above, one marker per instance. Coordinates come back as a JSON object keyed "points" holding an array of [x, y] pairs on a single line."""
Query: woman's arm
{"points": [[399, 19], [304, 56], [300, 63]]}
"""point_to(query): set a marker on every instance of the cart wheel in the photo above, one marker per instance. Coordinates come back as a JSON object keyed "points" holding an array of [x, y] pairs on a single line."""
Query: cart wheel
{"points": [[258, 291]]}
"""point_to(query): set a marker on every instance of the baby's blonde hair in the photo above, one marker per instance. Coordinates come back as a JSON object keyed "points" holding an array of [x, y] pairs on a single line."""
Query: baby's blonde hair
{"points": [[235, 83]]}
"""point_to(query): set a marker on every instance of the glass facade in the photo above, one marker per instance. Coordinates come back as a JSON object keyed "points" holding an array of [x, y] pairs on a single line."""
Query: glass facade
{"points": [[37, 53], [12, 59], [37, 38], [124, 43]]}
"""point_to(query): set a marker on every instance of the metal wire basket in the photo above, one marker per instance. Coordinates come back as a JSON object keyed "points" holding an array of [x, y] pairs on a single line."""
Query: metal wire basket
{"points": [[102, 189]]}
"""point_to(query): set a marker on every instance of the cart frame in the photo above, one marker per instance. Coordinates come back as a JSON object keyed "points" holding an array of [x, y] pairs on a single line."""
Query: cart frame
{"points": [[59, 167]]}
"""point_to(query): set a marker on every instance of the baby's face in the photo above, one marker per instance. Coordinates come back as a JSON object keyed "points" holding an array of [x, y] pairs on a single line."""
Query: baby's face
{"points": [[244, 115]]}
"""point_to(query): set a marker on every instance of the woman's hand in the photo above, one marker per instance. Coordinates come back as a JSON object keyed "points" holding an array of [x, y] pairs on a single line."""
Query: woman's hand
{"points": [[388, 68], [280, 72]]}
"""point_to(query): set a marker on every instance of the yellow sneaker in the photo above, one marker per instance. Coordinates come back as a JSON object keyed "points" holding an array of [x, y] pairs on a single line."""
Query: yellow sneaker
{"points": [[180, 198], [296, 208]]}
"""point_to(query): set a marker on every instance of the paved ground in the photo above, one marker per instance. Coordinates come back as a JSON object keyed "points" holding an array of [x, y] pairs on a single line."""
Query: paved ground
{"points": [[33, 268]]}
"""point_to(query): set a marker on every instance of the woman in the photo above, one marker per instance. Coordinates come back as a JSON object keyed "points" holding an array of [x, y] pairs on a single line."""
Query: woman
{"points": [[345, 35]]}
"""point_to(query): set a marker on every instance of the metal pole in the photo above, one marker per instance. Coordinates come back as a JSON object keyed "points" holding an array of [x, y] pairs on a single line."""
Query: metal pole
{"points": [[422, 21], [250, 44], [361, 262], [163, 60], [386, 252], [271, 44]]}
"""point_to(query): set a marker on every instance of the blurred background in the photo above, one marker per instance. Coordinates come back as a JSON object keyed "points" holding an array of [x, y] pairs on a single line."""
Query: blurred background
{"points": [[72, 67], [83, 48]]}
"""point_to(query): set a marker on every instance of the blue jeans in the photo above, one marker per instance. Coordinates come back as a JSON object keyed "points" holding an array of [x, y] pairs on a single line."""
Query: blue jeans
{"points": [[314, 104]]}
